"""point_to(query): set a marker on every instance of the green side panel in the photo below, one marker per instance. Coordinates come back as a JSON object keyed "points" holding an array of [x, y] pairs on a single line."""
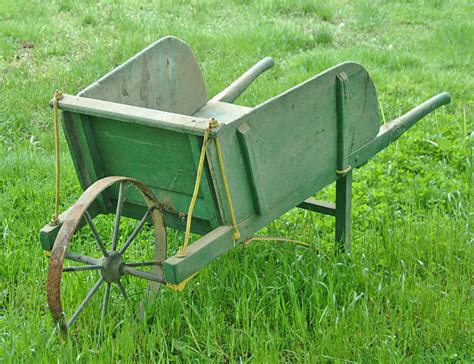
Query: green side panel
{"points": [[164, 160], [294, 139]]}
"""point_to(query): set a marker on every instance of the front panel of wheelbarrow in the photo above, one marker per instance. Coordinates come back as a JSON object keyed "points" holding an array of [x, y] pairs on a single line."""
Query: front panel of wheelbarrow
{"points": [[165, 160]]}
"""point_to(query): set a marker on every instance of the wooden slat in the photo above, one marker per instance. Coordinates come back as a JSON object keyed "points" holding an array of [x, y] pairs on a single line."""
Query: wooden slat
{"points": [[134, 115], [246, 142], [325, 208]]}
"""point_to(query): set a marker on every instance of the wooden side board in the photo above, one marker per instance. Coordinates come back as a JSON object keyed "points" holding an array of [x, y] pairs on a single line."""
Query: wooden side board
{"points": [[288, 145]]}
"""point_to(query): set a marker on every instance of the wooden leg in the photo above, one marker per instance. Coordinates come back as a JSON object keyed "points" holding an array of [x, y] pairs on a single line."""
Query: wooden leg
{"points": [[343, 212]]}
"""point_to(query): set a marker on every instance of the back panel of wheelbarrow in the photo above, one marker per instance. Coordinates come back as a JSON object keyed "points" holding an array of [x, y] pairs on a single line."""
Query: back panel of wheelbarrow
{"points": [[285, 150], [164, 76], [165, 160]]}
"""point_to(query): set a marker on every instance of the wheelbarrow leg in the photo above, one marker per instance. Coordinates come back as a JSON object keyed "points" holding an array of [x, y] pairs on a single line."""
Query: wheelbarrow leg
{"points": [[344, 170], [343, 213]]}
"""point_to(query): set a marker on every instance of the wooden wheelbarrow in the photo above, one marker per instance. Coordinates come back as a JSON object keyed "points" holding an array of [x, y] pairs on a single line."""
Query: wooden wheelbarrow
{"points": [[204, 166]]}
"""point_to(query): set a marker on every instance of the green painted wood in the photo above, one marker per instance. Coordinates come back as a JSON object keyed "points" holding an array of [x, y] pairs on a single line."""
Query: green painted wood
{"points": [[295, 138], [209, 247], [206, 181], [215, 174], [344, 183], [342, 125], [295, 149], [134, 115], [325, 208], [276, 155], [164, 76], [344, 213], [75, 149], [162, 159], [233, 91], [247, 145], [222, 111], [49, 232], [206, 249]]}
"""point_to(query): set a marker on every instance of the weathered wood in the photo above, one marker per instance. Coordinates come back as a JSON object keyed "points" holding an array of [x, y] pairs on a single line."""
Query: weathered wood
{"points": [[133, 114], [325, 208], [221, 111], [295, 137], [87, 147], [344, 213], [206, 182], [247, 144], [164, 76], [344, 183], [203, 251], [231, 93]]}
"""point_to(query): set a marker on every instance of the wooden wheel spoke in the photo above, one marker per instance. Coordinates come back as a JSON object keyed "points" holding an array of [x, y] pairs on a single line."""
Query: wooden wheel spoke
{"points": [[142, 264], [136, 231], [118, 214], [142, 274], [122, 289], [85, 302], [82, 258], [96, 234], [109, 262], [83, 268], [105, 303]]}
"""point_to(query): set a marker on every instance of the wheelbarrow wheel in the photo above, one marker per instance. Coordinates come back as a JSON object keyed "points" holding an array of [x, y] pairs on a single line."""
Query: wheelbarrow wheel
{"points": [[105, 261]]}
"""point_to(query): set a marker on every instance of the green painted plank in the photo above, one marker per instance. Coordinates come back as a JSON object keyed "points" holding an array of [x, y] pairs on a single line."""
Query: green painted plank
{"points": [[344, 183], [325, 208], [74, 148], [203, 251], [206, 182], [161, 159], [296, 153], [247, 144], [133, 115]]}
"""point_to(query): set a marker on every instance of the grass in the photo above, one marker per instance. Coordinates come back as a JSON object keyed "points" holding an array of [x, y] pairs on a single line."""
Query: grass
{"points": [[404, 293]]}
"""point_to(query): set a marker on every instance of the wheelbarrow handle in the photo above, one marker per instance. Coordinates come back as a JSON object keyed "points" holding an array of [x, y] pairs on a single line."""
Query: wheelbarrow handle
{"points": [[408, 119], [235, 89], [393, 130]]}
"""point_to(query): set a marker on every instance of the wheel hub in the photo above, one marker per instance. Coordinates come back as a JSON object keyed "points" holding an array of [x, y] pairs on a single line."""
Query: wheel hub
{"points": [[112, 264]]}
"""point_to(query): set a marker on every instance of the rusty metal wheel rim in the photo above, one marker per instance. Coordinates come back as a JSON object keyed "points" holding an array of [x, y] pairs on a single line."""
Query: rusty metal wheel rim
{"points": [[111, 265]]}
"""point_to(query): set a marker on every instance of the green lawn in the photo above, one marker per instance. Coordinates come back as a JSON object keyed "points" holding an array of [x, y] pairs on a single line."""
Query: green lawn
{"points": [[404, 294]]}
